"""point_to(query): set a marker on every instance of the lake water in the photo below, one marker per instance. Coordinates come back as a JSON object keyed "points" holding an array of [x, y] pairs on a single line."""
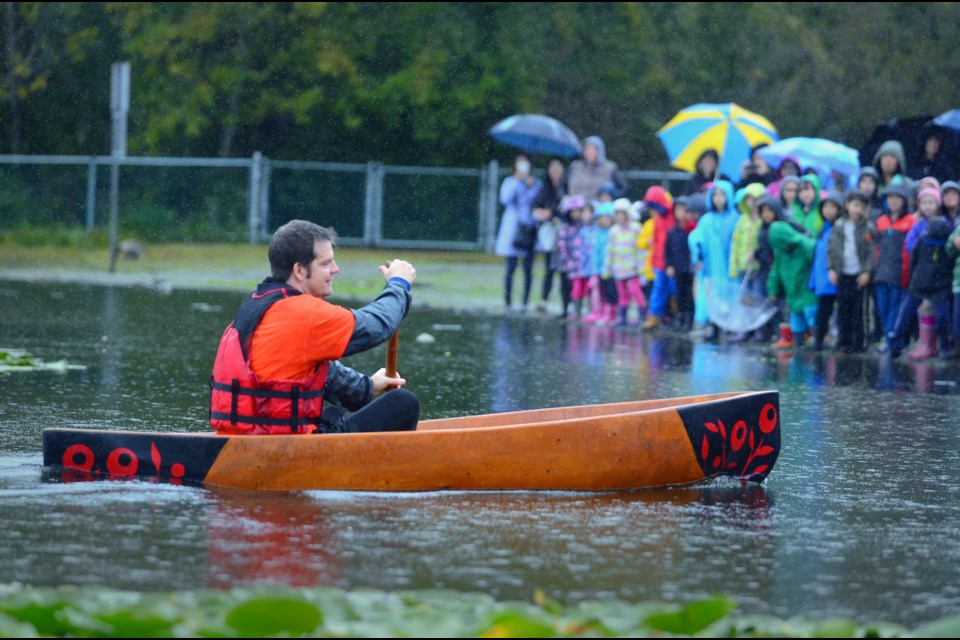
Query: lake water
{"points": [[859, 518]]}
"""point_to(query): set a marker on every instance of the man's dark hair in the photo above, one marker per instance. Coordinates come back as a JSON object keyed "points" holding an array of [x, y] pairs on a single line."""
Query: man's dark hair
{"points": [[293, 243]]}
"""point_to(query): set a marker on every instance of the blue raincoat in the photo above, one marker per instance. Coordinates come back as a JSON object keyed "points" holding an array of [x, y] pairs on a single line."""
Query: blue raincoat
{"points": [[710, 243]]}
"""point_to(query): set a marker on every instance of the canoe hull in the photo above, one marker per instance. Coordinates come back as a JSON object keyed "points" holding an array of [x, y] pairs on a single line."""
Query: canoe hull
{"points": [[590, 448]]}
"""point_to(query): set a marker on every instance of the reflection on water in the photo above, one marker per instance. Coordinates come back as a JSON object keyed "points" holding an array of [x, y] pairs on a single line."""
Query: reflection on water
{"points": [[859, 518], [286, 540]]}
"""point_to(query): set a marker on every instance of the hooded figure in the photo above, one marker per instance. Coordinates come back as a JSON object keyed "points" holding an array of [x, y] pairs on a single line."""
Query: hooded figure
{"points": [[710, 244], [793, 261], [869, 182], [659, 201], [808, 215], [588, 174], [746, 232], [789, 167], [893, 149], [764, 252], [952, 212], [920, 226]]}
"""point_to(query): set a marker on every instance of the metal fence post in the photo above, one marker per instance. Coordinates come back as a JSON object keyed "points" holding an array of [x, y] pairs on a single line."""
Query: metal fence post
{"points": [[263, 217], [490, 215], [373, 205], [91, 193], [254, 214], [482, 206]]}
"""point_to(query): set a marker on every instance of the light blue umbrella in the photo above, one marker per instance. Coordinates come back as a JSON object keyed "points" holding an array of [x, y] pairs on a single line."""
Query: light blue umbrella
{"points": [[820, 154], [537, 133], [949, 119]]}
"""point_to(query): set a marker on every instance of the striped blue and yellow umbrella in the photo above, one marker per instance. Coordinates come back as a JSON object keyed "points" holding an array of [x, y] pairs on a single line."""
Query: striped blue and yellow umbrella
{"points": [[728, 129]]}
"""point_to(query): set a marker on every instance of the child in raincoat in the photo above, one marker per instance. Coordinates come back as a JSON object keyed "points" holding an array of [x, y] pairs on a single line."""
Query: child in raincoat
{"points": [[569, 249], [659, 203], [710, 244], [806, 209], [645, 218], [746, 233], [931, 280], [789, 277], [601, 311], [850, 258], [830, 208], [623, 262], [677, 258], [892, 262], [953, 254]]}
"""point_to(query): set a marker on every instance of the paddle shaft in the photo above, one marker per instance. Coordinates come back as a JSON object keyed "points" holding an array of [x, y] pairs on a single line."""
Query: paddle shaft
{"points": [[392, 348]]}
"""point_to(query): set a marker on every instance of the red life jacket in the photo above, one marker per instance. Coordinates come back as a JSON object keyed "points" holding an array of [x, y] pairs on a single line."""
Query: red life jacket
{"points": [[241, 403]]}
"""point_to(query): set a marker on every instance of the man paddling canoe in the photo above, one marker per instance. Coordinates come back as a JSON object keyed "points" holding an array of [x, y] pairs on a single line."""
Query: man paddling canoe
{"points": [[279, 360]]}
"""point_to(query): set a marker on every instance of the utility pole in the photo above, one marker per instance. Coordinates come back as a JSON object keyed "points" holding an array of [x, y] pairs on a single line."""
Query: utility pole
{"points": [[119, 107]]}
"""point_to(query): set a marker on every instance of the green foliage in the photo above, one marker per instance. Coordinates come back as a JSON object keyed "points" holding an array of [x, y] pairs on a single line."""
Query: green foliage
{"points": [[691, 618], [273, 616], [24, 234], [323, 612], [420, 83]]}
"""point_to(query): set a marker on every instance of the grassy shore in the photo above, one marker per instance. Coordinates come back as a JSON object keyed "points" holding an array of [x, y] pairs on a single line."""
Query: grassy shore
{"points": [[455, 280]]}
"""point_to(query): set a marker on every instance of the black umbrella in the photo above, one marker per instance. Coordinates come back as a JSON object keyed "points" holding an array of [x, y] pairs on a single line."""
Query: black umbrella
{"points": [[536, 133], [911, 133]]}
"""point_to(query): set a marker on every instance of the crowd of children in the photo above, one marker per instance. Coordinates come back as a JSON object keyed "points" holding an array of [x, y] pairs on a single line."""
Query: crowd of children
{"points": [[873, 267]]}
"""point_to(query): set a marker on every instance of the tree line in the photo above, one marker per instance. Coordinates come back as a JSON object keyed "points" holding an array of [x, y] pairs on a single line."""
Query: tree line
{"points": [[421, 83]]}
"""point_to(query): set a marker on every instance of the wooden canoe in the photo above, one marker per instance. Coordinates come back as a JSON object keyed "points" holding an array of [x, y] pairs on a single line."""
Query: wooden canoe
{"points": [[606, 447]]}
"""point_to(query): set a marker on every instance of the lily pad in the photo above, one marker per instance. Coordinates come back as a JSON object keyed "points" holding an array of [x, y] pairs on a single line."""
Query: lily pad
{"points": [[19, 360]]}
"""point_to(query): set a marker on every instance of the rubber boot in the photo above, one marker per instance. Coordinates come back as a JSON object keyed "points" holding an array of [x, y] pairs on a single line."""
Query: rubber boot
{"points": [[621, 316], [927, 342], [894, 345], [596, 308], [651, 323], [944, 352], [786, 338], [609, 314]]}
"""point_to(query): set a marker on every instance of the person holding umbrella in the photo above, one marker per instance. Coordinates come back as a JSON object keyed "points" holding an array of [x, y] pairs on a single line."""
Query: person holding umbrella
{"points": [[517, 235], [933, 161], [707, 167]]}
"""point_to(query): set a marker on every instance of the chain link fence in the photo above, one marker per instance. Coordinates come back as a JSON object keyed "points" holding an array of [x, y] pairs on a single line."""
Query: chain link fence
{"points": [[245, 199]]}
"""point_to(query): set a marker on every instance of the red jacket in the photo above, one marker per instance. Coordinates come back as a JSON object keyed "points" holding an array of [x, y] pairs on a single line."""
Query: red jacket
{"points": [[660, 203], [891, 235]]}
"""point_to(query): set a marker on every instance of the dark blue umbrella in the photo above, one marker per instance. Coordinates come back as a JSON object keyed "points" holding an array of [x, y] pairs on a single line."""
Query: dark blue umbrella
{"points": [[537, 133]]}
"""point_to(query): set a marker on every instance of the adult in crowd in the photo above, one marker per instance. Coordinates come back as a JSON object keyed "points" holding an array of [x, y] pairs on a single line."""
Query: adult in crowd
{"points": [[517, 235], [278, 363], [755, 169], [546, 212], [590, 172], [706, 172], [933, 160]]}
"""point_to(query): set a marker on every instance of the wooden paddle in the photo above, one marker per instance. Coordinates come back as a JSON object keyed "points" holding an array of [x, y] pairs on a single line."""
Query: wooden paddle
{"points": [[392, 347]]}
